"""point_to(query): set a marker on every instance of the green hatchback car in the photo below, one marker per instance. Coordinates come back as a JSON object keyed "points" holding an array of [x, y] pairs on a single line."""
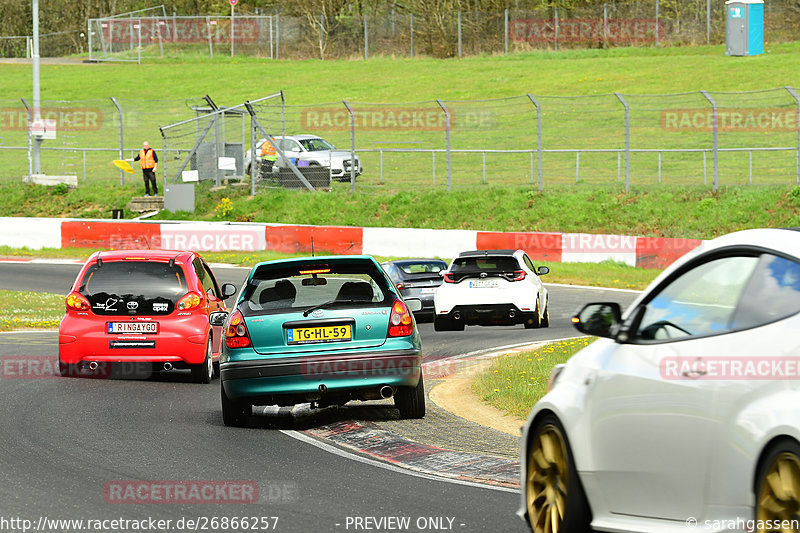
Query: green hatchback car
{"points": [[320, 330]]}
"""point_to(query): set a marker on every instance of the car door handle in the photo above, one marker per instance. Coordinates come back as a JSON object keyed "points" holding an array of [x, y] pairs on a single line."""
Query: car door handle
{"points": [[694, 373]]}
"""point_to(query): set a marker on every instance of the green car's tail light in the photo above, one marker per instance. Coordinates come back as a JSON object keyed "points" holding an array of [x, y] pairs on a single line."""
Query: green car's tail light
{"points": [[400, 323], [191, 300], [236, 335], [77, 302]]}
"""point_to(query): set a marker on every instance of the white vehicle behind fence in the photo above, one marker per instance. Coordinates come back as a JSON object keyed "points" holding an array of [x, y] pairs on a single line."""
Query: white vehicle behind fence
{"points": [[307, 150]]}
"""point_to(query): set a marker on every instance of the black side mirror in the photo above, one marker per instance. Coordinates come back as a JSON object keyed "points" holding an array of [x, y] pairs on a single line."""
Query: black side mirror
{"points": [[542, 270], [599, 319], [228, 290], [218, 318]]}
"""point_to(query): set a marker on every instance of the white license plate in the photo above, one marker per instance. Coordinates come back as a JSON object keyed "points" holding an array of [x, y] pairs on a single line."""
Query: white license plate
{"points": [[133, 327], [483, 284], [429, 290]]}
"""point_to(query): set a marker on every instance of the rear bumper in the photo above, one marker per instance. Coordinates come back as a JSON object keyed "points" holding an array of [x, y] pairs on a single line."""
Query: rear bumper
{"points": [[304, 376], [84, 340], [489, 314]]}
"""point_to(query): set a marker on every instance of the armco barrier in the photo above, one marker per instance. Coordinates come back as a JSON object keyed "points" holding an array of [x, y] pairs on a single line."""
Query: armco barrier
{"points": [[36, 233]]}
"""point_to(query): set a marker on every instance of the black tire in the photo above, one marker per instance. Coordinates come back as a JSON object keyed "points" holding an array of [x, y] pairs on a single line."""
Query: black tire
{"points": [[555, 480], [546, 317], [535, 321], [204, 372], [782, 465], [411, 400], [69, 370], [234, 412]]}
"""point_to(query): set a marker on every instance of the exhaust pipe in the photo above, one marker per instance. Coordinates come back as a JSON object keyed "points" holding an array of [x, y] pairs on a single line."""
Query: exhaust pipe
{"points": [[93, 365], [323, 388], [168, 366], [457, 315], [512, 314], [386, 392]]}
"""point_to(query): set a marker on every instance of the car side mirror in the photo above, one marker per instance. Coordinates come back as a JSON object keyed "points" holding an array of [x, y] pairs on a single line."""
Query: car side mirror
{"points": [[228, 290], [542, 270], [414, 304], [218, 318], [598, 319]]}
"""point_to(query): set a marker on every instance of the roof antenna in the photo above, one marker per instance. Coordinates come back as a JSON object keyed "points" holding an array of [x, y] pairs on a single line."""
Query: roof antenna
{"points": [[312, 246]]}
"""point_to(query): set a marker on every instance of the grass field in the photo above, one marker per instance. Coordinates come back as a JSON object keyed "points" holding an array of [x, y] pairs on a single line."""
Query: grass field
{"points": [[666, 211], [515, 382], [150, 98], [21, 310]]}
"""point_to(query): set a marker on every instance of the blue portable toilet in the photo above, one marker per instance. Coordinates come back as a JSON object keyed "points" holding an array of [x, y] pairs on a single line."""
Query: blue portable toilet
{"points": [[744, 27]]}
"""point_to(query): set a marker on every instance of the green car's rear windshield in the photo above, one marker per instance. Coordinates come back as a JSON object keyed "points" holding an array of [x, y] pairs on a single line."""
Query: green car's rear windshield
{"points": [[294, 287]]}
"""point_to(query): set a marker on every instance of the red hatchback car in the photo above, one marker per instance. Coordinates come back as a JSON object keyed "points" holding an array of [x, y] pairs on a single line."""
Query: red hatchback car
{"points": [[146, 306]]}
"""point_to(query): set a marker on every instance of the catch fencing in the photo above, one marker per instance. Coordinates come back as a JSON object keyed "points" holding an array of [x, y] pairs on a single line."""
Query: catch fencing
{"points": [[148, 32], [694, 138]]}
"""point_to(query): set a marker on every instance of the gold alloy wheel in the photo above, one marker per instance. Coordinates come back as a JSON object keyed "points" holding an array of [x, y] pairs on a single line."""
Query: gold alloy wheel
{"points": [[546, 485], [779, 497]]}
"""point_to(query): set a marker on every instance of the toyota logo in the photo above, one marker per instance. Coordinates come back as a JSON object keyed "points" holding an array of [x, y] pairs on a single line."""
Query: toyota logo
{"points": [[133, 305]]}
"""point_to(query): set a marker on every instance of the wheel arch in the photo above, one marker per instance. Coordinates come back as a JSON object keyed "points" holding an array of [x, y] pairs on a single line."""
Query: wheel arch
{"points": [[774, 442]]}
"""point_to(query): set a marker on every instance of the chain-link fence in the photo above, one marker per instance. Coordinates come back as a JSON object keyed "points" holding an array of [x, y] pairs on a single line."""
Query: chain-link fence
{"points": [[393, 32], [385, 28], [133, 38], [694, 138]]}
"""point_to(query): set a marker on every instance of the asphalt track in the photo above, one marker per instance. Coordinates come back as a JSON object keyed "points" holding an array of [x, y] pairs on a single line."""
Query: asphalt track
{"points": [[64, 442]]}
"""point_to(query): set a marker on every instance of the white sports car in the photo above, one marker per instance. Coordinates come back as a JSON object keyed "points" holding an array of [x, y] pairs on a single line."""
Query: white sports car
{"points": [[491, 287], [686, 415]]}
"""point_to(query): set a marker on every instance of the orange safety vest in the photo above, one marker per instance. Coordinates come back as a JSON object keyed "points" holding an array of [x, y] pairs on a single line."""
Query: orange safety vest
{"points": [[268, 150], [146, 159]]}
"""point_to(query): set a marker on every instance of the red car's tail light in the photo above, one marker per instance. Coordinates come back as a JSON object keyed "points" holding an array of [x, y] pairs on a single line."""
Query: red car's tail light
{"points": [[236, 335], [400, 322], [519, 275], [448, 278], [77, 302], [189, 301]]}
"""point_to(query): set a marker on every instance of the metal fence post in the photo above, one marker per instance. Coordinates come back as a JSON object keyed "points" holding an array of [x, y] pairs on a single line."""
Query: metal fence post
{"points": [[714, 138], [121, 139], [255, 169], [708, 21], [366, 39], [277, 31], [321, 37], [605, 22], [658, 27], [459, 34], [411, 20], [555, 17], [797, 99], [447, 142], [164, 158], [535, 102], [283, 114], [30, 139], [627, 141], [352, 146], [505, 29]]}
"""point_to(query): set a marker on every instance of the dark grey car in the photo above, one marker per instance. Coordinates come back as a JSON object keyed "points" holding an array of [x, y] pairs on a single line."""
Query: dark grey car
{"points": [[417, 278]]}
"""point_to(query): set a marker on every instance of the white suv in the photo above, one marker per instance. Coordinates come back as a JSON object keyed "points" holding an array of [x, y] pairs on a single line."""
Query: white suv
{"points": [[309, 150], [492, 287]]}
